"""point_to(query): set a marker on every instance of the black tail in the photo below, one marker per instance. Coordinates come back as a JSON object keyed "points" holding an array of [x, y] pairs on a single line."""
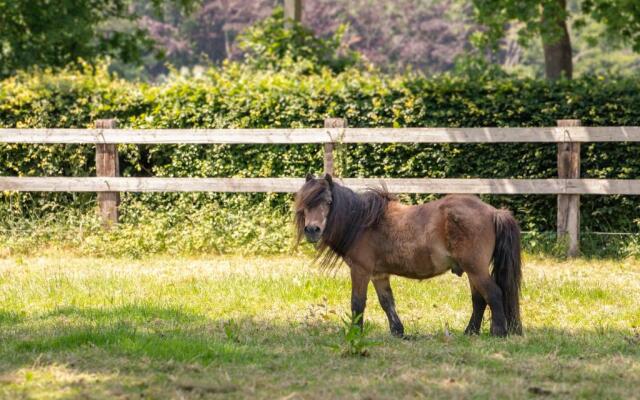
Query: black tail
{"points": [[507, 270]]}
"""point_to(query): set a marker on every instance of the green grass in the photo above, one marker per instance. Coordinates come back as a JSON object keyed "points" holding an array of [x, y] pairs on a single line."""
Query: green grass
{"points": [[233, 327]]}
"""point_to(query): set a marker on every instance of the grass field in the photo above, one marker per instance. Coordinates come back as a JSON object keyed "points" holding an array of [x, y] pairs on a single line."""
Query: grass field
{"points": [[230, 327]]}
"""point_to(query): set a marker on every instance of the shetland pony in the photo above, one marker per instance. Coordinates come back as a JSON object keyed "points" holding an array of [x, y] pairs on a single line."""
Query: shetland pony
{"points": [[377, 236]]}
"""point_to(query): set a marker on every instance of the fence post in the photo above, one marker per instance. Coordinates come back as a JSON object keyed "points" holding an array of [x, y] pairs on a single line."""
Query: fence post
{"points": [[107, 165], [293, 9], [328, 147], [569, 204]]}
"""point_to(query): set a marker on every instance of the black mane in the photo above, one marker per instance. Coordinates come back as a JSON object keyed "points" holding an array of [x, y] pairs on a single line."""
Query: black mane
{"points": [[350, 214]]}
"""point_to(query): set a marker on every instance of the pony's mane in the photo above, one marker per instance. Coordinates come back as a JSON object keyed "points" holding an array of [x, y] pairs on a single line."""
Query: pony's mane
{"points": [[349, 215]]}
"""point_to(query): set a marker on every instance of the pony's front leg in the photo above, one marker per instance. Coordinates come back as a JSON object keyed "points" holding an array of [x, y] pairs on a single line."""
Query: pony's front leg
{"points": [[359, 284], [388, 304]]}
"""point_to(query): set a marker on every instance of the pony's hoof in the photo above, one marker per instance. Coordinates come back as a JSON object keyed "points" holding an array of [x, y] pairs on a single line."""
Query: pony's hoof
{"points": [[515, 330], [498, 332], [472, 332], [397, 330], [398, 334]]}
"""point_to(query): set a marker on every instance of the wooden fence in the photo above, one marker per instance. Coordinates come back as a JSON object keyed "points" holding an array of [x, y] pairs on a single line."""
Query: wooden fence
{"points": [[568, 186]]}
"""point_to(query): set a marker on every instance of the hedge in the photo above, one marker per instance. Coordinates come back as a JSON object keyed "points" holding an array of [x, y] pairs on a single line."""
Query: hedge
{"points": [[235, 96]]}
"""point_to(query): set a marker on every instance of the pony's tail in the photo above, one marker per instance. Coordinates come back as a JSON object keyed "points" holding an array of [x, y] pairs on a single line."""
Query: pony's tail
{"points": [[507, 270]]}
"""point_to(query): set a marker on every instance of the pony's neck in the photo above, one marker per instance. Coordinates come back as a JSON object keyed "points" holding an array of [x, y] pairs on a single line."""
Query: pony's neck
{"points": [[352, 213]]}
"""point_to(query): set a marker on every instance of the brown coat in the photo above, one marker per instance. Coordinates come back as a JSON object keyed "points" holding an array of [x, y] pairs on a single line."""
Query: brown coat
{"points": [[378, 236]]}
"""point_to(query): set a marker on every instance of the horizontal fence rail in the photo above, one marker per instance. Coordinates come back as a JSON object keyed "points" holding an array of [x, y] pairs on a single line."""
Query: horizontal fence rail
{"points": [[291, 185], [567, 135], [323, 135]]}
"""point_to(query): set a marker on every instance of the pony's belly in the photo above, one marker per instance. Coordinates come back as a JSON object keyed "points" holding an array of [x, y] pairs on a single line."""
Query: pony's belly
{"points": [[418, 274], [424, 269], [428, 270], [423, 266]]}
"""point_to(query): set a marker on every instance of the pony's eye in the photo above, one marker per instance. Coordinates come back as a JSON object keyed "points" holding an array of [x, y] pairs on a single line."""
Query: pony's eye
{"points": [[329, 202]]}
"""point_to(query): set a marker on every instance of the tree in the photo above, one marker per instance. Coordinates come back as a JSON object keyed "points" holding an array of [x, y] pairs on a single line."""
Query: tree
{"points": [[549, 19], [59, 32]]}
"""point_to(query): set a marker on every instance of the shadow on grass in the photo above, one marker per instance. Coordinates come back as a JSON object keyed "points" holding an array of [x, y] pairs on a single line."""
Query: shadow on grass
{"points": [[129, 331], [141, 343], [183, 336], [10, 318]]}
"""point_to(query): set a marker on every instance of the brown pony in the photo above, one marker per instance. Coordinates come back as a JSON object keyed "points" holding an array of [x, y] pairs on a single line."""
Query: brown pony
{"points": [[377, 236]]}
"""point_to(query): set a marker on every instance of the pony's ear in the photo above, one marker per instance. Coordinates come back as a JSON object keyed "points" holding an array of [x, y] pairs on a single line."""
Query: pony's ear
{"points": [[329, 180], [309, 177]]}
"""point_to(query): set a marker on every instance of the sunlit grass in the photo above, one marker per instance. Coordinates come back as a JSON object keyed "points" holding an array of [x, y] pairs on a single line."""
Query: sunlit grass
{"points": [[103, 328]]}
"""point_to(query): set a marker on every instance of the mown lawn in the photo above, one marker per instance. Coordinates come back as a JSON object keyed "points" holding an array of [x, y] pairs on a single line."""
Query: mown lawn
{"points": [[230, 327]]}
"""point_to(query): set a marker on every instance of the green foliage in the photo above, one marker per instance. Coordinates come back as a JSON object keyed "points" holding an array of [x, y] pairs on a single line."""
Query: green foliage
{"points": [[538, 18], [235, 96], [238, 227], [276, 43], [354, 340], [231, 330], [56, 33], [594, 53], [496, 15], [592, 245], [474, 66], [621, 18]]}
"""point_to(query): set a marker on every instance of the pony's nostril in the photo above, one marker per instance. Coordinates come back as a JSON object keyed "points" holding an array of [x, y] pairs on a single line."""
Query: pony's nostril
{"points": [[311, 229]]}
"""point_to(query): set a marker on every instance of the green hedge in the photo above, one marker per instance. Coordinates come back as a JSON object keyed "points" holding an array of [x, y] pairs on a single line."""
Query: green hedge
{"points": [[237, 97]]}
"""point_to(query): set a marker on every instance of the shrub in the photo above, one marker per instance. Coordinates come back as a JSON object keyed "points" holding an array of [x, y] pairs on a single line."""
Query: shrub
{"points": [[237, 96], [271, 44]]}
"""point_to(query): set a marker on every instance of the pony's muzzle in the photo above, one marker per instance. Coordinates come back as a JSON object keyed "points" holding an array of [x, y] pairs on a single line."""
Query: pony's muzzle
{"points": [[312, 233]]}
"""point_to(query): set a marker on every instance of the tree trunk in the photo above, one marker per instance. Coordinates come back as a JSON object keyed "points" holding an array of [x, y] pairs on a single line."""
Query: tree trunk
{"points": [[557, 46]]}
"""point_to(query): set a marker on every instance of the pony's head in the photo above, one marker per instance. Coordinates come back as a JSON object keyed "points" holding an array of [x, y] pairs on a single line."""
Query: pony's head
{"points": [[334, 216], [312, 207]]}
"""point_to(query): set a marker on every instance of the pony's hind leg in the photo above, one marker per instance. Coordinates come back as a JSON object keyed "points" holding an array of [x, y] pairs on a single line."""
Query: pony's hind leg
{"points": [[385, 296], [492, 294], [359, 283], [479, 305]]}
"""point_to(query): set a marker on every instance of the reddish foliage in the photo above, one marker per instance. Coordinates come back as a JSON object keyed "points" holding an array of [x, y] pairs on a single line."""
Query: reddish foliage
{"points": [[391, 34]]}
